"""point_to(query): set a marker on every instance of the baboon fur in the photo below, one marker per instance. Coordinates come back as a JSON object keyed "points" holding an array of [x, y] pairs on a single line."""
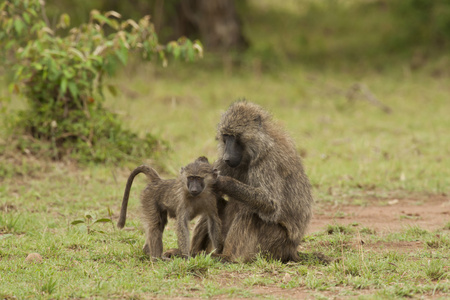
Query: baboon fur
{"points": [[269, 195], [184, 198]]}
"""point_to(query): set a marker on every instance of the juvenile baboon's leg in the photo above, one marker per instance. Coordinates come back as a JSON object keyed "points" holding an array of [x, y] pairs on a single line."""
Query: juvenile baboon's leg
{"points": [[183, 234], [154, 234], [153, 245], [200, 236], [215, 232]]}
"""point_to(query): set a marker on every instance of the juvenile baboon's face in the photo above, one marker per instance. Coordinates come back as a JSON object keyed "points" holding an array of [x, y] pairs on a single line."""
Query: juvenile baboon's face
{"points": [[233, 150], [195, 185], [198, 175]]}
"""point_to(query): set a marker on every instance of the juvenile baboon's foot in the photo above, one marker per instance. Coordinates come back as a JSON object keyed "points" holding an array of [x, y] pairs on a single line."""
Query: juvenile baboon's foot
{"points": [[194, 254], [315, 258], [222, 258], [218, 257], [162, 258], [146, 249], [155, 257], [174, 252]]}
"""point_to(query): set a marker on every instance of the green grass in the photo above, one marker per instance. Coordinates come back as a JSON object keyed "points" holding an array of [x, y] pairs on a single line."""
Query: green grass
{"points": [[76, 264], [35, 216], [353, 153], [350, 147]]}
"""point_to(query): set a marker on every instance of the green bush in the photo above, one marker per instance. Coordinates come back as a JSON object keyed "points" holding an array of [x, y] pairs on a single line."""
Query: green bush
{"points": [[62, 78], [421, 23]]}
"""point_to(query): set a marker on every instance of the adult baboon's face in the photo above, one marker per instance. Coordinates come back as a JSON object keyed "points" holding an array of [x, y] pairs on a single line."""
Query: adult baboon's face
{"points": [[233, 150]]}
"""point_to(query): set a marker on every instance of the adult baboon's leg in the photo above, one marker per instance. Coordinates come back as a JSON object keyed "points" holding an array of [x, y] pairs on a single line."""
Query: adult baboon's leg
{"points": [[275, 242], [249, 235], [241, 242]]}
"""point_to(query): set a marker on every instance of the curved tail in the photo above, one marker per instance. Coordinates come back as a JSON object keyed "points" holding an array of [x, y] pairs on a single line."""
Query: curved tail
{"points": [[151, 174]]}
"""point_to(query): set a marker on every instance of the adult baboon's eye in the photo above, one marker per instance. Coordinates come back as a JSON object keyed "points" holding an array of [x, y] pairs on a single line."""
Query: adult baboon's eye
{"points": [[225, 137]]}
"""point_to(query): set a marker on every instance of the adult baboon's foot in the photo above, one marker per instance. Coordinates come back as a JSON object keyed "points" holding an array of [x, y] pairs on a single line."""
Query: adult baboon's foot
{"points": [[314, 258]]}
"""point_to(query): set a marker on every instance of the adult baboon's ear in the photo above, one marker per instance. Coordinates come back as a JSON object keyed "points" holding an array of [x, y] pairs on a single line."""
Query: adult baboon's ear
{"points": [[203, 159], [182, 170], [258, 120], [216, 173]]}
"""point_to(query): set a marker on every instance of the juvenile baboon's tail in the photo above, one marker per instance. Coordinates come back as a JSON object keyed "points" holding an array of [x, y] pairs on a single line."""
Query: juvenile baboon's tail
{"points": [[151, 174]]}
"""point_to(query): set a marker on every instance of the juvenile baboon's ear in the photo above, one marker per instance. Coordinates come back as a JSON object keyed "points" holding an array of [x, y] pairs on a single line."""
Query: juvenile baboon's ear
{"points": [[216, 173], [258, 120], [203, 159], [182, 170]]}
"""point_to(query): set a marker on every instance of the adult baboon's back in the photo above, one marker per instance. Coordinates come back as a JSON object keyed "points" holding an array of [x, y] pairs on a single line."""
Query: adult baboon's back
{"points": [[270, 199]]}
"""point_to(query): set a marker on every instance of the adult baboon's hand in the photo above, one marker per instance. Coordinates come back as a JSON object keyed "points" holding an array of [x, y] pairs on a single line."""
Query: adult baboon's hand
{"points": [[221, 182]]}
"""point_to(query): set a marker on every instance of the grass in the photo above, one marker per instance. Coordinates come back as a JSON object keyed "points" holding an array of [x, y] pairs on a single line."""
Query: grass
{"points": [[353, 153], [111, 264], [77, 265], [347, 146]]}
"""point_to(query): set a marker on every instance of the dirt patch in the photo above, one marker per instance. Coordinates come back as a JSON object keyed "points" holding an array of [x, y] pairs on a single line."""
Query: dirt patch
{"points": [[381, 216], [394, 246], [7, 207], [305, 293], [387, 215], [277, 292]]}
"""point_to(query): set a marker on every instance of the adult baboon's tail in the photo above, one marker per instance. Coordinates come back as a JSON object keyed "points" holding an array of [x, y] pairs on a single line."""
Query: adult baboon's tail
{"points": [[151, 174]]}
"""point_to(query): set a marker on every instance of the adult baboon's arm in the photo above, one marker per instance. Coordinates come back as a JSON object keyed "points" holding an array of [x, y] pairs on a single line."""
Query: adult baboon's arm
{"points": [[258, 199]]}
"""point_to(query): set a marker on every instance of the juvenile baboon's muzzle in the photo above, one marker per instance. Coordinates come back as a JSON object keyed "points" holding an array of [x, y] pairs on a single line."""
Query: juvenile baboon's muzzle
{"points": [[195, 187]]}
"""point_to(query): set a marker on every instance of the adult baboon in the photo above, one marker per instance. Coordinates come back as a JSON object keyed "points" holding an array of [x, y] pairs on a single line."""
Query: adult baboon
{"points": [[184, 198], [270, 199]]}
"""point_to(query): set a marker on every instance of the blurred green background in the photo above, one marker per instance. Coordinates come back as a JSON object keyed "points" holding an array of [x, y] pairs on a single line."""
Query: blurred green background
{"points": [[362, 86], [368, 34]]}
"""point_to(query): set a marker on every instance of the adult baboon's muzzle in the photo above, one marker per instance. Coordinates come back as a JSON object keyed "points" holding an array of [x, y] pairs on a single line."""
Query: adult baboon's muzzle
{"points": [[233, 151]]}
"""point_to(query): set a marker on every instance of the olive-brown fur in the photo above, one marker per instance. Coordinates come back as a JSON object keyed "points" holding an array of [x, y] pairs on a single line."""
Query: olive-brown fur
{"points": [[270, 198], [172, 197]]}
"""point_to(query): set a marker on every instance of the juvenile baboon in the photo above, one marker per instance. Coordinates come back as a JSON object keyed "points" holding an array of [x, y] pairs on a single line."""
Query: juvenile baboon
{"points": [[184, 198], [269, 206]]}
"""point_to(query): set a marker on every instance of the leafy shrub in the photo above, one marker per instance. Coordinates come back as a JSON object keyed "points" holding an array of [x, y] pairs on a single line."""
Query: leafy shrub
{"points": [[62, 78], [421, 22]]}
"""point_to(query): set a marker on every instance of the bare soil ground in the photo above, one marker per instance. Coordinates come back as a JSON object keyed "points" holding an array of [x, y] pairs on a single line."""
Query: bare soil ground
{"points": [[387, 215], [381, 216]]}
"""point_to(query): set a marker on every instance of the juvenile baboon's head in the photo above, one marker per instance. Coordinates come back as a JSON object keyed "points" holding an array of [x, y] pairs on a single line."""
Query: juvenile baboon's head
{"points": [[244, 134], [198, 175]]}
